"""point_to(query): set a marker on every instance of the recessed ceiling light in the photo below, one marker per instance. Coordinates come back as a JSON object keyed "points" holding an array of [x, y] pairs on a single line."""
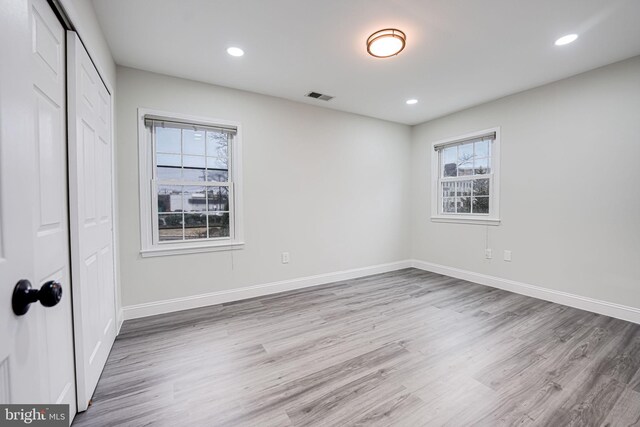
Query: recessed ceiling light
{"points": [[386, 43], [235, 51], [569, 38], [412, 101]]}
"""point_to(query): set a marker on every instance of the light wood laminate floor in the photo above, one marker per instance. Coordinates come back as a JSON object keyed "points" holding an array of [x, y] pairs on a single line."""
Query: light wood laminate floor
{"points": [[406, 348]]}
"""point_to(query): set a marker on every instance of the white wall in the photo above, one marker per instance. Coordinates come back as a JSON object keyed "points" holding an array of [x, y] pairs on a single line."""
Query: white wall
{"points": [[329, 187], [570, 187]]}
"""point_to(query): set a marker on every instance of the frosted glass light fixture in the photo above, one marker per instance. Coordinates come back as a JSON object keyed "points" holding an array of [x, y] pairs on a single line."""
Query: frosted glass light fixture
{"points": [[386, 43]]}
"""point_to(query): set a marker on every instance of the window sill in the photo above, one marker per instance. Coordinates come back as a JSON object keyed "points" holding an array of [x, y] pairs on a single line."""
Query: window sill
{"points": [[182, 249], [466, 220]]}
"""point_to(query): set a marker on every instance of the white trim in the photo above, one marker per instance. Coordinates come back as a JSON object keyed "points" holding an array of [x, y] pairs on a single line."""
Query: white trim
{"points": [[120, 320], [465, 220], [202, 300], [618, 311], [115, 222], [494, 217], [190, 249], [147, 197]]}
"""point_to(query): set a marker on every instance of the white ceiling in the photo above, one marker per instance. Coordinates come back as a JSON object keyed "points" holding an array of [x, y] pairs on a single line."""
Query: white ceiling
{"points": [[459, 52]]}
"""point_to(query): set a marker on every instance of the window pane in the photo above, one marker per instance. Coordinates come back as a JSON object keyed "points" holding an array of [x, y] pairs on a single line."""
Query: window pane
{"points": [[217, 175], [195, 211], [465, 153], [465, 165], [449, 204], [195, 199], [169, 198], [219, 224], [168, 160], [217, 163], [464, 204], [193, 142], [465, 159], [449, 159], [193, 162], [193, 174], [217, 144], [167, 140], [195, 226], [218, 198], [169, 173], [448, 189], [464, 188], [481, 187], [465, 170], [481, 166], [481, 205], [170, 227], [482, 148]]}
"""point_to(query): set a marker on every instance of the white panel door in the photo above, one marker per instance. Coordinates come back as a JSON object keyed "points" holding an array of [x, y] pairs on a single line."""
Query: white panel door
{"points": [[36, 351], [91, 208]]}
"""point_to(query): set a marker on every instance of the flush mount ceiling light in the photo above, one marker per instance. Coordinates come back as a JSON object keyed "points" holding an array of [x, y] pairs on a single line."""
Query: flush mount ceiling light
{"points": [[235, 51], [412, 101], [386, 43], [569, 38]]}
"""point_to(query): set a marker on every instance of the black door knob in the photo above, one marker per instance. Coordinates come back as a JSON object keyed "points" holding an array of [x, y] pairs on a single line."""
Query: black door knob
{"points": [[24, 295]]}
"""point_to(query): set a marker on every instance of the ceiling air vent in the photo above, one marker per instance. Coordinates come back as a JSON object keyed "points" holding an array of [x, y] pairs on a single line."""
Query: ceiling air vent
{"points": [[320, 96]]}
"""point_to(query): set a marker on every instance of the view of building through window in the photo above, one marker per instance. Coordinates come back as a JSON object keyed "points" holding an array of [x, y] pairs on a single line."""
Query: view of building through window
{"points": [[192, 182], [464, 183]]}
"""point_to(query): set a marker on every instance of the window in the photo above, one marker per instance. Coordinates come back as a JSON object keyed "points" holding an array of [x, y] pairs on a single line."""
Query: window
{"points": [[465, 178], [189, 182]]}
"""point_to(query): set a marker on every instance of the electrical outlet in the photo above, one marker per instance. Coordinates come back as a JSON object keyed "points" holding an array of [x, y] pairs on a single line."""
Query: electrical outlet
{"points": [[507, 256], [488, 253], [285, 257]]}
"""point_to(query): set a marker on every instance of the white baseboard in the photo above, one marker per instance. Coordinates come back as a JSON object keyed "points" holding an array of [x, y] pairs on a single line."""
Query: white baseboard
{"points": [[202, 300], [619, 311], [120, 321]]}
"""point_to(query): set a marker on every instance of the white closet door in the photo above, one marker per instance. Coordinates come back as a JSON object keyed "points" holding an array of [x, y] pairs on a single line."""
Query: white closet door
{"points": [[91, 208], [36, 345]]}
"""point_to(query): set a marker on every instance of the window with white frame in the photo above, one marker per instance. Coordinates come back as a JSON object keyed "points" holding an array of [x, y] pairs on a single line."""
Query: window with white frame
{"points": [[189, 170], [465, 178]]}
